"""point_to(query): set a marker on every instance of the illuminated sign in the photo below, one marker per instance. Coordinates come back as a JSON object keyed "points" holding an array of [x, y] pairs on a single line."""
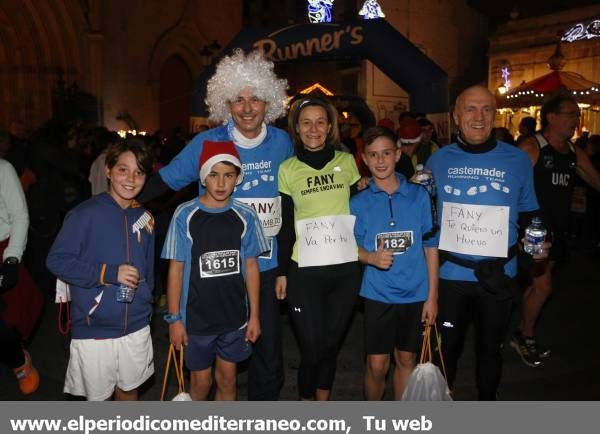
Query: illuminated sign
{"points": [[506, 78], [327, 41], [580, 32], [319, 11], [317, 86], [371, 9]]}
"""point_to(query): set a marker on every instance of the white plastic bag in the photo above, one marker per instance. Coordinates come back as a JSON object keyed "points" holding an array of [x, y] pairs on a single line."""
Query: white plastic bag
{"points": [[182, 395], [63, 292], [426, 383], [63, 299]]}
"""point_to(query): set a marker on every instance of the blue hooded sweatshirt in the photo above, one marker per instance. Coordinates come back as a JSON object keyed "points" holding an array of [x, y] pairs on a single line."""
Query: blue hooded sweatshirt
{"points": [[96, 238]]}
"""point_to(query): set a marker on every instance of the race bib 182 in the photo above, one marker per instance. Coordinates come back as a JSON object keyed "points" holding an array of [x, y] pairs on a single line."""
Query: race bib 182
{"points": [[220, 263], [397, 242]]}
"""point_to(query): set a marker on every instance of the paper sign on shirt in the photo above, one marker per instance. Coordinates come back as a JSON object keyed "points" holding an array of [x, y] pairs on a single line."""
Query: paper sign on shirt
{"points": [[480, 230], [268, 210], [326, 240]]}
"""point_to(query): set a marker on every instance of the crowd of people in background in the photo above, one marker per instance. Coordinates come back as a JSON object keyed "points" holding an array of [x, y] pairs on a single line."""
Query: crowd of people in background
{"points": [[281, 187]]}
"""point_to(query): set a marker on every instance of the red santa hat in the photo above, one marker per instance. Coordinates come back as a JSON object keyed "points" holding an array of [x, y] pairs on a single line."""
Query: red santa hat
{"points": [[409, 131], [218, 152], [386, 123]]}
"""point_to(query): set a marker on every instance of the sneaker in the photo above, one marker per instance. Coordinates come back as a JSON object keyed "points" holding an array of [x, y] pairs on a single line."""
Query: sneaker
{"points": [[526, 349], [542, 354], [28, 376]]}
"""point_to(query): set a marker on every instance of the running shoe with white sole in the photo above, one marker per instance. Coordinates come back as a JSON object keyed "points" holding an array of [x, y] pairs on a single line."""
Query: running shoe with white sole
{"points": [[526, 349]]}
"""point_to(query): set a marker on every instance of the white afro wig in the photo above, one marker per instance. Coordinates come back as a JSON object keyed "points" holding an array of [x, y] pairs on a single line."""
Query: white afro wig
{"points": [[240, 71]]}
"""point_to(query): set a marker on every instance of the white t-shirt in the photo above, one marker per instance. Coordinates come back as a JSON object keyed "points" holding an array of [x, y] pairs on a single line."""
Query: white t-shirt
{"points": [[14, 218]]}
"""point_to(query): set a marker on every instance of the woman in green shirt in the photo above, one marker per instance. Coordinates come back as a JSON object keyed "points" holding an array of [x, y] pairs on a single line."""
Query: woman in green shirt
{"points": [[318, 268]]}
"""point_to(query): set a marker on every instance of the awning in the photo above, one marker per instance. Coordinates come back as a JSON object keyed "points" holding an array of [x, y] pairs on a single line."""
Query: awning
{"points": [[533, 92], [557, 81]]}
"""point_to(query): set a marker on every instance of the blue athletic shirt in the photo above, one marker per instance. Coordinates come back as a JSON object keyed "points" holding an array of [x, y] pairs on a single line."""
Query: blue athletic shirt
{"points": [[399, 220], [214, 244], [502, 176], [259, 187]]}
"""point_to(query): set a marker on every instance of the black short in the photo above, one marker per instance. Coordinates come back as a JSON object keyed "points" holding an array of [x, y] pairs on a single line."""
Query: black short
{"points": [[392, 326]]}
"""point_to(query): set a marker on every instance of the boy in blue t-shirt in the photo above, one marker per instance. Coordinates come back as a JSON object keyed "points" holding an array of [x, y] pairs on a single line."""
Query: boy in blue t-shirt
{"points": [[213, 285], [393, 229]]}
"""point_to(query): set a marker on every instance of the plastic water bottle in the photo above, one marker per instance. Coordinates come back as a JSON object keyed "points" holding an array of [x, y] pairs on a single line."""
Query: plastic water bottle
{"points": [[535, 235], [425, 178], [125, 294]]}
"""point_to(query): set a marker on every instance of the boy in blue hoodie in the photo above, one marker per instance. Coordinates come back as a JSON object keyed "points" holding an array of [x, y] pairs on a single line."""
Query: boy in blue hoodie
{"points": [[394, 233], [104, 251], [213, 287]]}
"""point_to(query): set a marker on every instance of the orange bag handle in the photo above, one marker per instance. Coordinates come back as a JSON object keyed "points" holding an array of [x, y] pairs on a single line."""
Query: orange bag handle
{"points": [[426, 348], [178, 371]]}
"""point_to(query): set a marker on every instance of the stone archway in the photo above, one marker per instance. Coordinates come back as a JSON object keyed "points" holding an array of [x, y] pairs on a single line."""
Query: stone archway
{"points": [[36, 40]]}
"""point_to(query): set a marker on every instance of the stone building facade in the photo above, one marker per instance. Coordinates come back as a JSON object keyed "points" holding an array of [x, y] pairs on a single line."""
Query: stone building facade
{"points": [[136, 60], [133, 56], [524, 47]]}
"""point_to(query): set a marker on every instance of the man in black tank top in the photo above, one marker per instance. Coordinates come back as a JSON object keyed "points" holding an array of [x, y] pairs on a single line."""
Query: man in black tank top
{"points": [[554, 177], [556, 162]]}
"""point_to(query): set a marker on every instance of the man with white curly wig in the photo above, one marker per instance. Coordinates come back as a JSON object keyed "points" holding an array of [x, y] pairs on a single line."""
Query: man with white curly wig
{"points": [[245, 95]]}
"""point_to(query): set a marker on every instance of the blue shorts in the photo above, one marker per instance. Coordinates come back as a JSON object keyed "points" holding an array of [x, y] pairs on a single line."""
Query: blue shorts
{"points": [[201, 351]]}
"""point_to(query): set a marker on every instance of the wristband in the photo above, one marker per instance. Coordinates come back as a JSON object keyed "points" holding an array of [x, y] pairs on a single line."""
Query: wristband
{"points": [[171, 318]]}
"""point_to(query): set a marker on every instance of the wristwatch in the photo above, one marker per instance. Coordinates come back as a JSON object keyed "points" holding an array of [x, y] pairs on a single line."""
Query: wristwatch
{"points": [[11, 260], [170, 318]]}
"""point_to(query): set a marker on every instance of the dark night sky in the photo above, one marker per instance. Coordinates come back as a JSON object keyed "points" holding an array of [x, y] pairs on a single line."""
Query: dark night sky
{"points": [[499, 10]]}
